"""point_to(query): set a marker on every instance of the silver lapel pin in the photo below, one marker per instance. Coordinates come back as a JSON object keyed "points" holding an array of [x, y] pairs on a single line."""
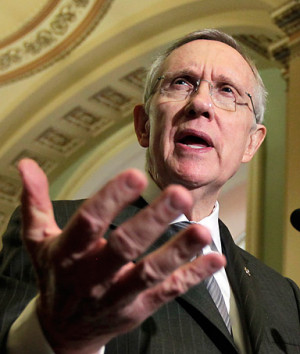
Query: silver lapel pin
{"points": [[247, 271]]}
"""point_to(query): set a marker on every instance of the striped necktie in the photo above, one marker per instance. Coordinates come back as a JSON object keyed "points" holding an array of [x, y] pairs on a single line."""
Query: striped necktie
{"points": [[216, 294], [211, 283]]}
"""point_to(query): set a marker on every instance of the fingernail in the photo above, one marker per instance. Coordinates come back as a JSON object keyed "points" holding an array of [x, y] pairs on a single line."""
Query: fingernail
{"points": [[215, 266], [132, 182], [175, 203]]}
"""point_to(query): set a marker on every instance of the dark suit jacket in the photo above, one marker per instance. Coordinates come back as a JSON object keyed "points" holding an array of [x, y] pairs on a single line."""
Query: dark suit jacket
{"points": [[269, 304]]}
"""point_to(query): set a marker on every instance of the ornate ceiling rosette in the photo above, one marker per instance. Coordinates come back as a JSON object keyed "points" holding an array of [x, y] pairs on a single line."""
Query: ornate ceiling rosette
{"points": [[51, 29]]}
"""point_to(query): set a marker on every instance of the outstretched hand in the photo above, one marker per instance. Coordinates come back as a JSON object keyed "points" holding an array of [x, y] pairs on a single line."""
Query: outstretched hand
{"points": [[89, 289]]}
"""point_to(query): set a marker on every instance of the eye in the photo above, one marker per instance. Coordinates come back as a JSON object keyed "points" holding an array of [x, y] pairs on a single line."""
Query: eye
{"points": [[227, 90], [181, 83]]}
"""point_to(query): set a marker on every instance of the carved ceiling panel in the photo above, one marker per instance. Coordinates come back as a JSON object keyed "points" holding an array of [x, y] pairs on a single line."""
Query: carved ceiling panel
{"points": [[87, 121], [287, 18], [48, 34], [114, 99]]}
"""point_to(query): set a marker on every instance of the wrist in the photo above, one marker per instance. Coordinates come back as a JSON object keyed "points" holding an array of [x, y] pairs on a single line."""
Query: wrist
{"points": [[68, 339]]}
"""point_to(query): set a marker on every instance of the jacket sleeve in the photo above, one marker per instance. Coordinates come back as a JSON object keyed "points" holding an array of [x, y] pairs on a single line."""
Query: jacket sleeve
{"points": [[296, 291], [17, 277]]}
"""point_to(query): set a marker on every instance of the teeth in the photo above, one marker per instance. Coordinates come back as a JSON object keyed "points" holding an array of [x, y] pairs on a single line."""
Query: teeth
{"points": [[196, 146]]}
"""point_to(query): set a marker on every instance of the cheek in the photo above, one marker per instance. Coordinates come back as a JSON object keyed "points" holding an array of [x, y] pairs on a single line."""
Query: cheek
{"points": [[161, 129], [161, 141], [237, 140]]}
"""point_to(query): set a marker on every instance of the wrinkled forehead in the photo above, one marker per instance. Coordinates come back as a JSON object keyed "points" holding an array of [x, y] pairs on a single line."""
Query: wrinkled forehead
{"points": [[210, 59]]}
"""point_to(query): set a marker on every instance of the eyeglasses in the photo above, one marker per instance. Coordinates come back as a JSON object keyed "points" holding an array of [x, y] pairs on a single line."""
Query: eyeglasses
{"points": [[176, 87]]}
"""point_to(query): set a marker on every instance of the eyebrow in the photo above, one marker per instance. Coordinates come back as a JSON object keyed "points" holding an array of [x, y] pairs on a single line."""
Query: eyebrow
{"points": [[225, 79], [220, 78], [183, 72]]}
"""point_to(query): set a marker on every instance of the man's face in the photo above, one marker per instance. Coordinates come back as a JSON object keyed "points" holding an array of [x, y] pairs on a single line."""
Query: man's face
{"points": [[193, 142]]}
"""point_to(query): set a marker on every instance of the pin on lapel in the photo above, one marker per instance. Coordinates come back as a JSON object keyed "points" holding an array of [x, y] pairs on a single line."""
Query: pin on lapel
{"points": [[247, 271]]}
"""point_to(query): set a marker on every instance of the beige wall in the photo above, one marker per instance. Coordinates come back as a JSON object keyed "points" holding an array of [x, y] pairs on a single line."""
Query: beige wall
{"points": [[291, 250], [274, 189]]}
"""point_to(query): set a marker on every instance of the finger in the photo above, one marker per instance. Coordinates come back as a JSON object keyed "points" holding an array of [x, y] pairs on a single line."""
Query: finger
{"points": [[84, 232], [180, 282], [38, 219], [134, 236], [158, 266]]}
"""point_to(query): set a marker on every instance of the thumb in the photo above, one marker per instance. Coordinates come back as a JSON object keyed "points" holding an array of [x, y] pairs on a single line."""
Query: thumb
{"points": [[37, 212]]}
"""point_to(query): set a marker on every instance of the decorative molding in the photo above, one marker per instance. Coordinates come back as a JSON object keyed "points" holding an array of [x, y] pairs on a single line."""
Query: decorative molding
{"points": [[29, 24], [89, 122], [45, 163], [259, 43], [270, 47], [114, 99], [277, 47], [65, 27], [136, 78], [59, 141], [281, 52], [63, 132], [287, 17], [80, 125], [10, 189]]}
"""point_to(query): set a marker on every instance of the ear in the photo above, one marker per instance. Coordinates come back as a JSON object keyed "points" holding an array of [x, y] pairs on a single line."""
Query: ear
{"points": [[141, 125], [256, 137]]}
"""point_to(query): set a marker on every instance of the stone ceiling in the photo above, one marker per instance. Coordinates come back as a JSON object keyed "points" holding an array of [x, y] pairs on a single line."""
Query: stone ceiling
{"points": [[71, 71]]}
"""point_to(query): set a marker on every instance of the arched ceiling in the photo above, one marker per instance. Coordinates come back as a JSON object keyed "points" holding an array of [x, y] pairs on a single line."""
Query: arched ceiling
{"points": [[71, 71]]}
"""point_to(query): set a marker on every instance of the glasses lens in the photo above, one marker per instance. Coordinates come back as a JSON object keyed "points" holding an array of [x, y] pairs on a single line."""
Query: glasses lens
{"points": [[225, 103], [177, 88], [224, 96]]}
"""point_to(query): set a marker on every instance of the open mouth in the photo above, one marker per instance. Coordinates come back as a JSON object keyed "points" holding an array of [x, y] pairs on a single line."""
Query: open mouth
{"points": [[194, 140]]}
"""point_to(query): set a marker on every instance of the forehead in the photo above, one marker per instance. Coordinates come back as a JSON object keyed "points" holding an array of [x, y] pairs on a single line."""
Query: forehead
{"points": [[210, 59]]}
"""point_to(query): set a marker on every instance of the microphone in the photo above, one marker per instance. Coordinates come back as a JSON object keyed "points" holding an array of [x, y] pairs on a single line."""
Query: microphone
{"points": [[295, 219]]}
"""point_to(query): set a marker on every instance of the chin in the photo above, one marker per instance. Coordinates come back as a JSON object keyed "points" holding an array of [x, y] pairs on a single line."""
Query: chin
{"points": [[189, 180]]}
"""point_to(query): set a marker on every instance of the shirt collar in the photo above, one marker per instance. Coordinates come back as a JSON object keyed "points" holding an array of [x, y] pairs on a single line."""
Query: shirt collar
{"points": [[211, 221]]}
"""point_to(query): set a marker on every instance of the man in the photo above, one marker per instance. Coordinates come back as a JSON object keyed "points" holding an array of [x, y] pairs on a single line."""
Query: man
{"points": [[113, 279]]}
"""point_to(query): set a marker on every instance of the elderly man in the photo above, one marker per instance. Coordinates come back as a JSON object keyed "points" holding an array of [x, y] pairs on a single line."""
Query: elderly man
{"points": [[126, 274]]}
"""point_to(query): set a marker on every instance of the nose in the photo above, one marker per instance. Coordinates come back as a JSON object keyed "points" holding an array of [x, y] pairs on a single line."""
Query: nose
{"points": [[200, 102]]}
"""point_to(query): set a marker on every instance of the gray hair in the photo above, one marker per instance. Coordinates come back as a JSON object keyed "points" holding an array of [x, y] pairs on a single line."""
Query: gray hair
{"points": [[260, 94]]}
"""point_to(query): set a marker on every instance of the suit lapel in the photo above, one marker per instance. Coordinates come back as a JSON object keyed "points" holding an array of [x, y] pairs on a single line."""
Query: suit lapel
{"points": [[245, 289], [197, 301], [199, 304]]}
